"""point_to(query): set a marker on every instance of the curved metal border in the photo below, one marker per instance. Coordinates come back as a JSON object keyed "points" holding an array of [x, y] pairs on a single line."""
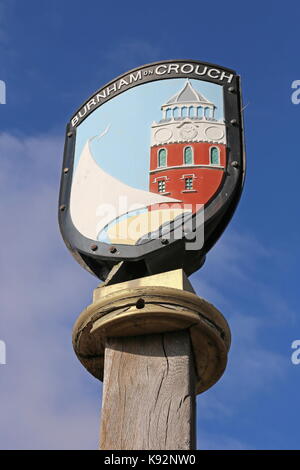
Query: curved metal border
{"points": [[100, 257]]}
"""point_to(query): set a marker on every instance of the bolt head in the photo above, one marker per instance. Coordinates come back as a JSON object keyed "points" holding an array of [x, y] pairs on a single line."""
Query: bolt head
{"points": [[164, 241], [62, 207], [140, 303], [94, 247], [233, 122], [66, 170], [189, 235], [69, 134], [235, 164], [231, 89], [113, 249]]}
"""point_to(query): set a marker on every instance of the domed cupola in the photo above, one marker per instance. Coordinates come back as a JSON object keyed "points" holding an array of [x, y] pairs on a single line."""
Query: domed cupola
{"points": [[188, 103], [188, 116]]}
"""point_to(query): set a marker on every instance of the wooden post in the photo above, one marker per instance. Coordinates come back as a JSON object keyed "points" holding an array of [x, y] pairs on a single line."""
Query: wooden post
{"points": [[149, 393], [155, 344]]}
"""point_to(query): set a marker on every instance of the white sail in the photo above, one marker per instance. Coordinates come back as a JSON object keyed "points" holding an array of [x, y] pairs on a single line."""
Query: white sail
{"points": [[97, 198]]}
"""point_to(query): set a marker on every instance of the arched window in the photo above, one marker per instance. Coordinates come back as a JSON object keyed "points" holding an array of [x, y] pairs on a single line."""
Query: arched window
{"points": [[162, 157], [175, 112], [184, 111], [200, 112], [188, 156], [191, 111], [214, 156], [206, 112], [168, 113]]}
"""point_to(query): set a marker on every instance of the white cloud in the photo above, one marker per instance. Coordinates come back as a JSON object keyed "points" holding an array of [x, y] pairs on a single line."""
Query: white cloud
{"points": [[47, 400]]}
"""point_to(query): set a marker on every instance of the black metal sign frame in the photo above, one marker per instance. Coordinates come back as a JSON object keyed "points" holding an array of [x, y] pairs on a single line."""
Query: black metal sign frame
{"points": [[163, 253]]}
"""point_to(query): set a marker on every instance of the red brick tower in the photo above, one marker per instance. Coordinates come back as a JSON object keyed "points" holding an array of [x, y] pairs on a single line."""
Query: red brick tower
{"points": [[188, 148]]}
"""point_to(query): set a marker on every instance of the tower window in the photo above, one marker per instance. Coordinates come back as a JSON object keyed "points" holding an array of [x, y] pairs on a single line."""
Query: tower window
{"points": [[189, 183], [214, 156], [206, 112], [184, 111], [188, 156], [161, 186], [162, 157]]}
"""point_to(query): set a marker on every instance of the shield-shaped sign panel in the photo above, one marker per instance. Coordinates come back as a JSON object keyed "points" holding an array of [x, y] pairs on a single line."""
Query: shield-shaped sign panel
{"points": [[153, 168]]}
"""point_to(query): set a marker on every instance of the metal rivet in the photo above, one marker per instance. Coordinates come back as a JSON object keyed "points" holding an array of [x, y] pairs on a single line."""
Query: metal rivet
{"points": [[140, 303], [233, 122], [69, 134], [164, 241], [94, 247], [66, 170], [113, 249], [231, 89], [62, 207], [235, 164], [189, 235]]}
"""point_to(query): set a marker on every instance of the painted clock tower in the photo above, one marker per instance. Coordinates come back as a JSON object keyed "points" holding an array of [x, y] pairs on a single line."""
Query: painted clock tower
{"points": [[188, 148]]}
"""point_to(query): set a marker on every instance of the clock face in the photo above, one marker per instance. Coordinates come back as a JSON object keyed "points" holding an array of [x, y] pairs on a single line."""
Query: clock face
{"points": [[163, 135], [188, 131]]}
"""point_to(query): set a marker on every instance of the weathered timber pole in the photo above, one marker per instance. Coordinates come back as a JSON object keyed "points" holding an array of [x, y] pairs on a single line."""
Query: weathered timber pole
{"points": [[155, 347], [149, 386]]}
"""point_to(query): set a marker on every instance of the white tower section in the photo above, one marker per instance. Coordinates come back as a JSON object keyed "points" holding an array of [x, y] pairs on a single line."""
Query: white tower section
{"points": [[188, 117]]}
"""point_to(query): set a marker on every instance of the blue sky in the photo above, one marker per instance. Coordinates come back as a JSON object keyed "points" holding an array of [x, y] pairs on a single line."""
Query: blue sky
{"points": [[53, 55], [124, 151]]}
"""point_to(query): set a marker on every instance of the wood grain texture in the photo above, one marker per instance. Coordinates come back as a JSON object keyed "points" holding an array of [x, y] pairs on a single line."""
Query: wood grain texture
{"points": [[148, 393]]}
